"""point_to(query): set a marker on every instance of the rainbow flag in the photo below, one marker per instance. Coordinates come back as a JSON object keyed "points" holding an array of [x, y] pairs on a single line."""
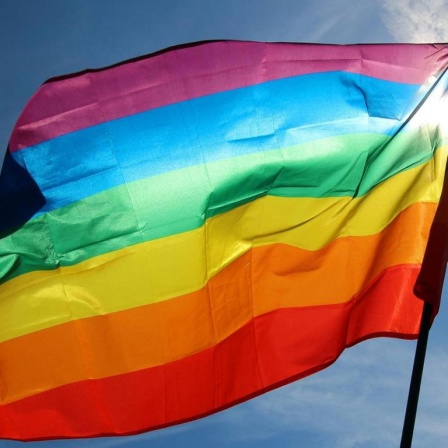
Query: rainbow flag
{"points": [[187, 230]]}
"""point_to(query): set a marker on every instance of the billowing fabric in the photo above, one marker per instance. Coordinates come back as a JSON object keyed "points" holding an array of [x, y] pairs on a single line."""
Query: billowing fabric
{"points": [[190, 229]]}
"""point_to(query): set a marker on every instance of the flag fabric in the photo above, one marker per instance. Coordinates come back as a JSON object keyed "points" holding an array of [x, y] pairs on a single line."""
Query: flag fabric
{"points": [[187, 230], [429, 283]]}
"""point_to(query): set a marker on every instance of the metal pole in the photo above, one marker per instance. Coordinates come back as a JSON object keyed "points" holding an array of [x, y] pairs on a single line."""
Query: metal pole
{"points": [[428, 287], [416, 379]]}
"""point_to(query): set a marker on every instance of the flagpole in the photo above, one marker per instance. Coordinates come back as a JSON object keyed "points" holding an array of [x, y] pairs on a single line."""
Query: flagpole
{"points": [[416, 378], [428, 287]]}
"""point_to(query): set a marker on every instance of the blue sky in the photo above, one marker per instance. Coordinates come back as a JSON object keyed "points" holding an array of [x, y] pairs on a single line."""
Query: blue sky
{"points": [[360, 400]]}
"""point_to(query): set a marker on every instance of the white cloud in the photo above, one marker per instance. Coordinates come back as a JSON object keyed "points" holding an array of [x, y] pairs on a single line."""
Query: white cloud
{"points": [[416, 20], [339, 21], [359, 401]]}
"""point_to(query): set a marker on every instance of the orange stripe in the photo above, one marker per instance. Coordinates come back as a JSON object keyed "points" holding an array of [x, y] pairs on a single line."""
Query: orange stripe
{"points": [[262, 280], [269, 351]]}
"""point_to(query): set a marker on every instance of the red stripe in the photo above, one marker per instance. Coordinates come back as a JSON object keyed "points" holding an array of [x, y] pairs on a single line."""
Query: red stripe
{"points": [[75, 102], [274, 349]]}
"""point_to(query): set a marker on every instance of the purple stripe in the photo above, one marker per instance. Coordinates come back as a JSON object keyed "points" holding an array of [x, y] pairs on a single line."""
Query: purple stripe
{"points": [[82, 100]]}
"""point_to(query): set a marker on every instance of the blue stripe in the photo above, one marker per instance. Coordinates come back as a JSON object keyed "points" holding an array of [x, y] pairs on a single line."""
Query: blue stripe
{"points": [[268, 116]]}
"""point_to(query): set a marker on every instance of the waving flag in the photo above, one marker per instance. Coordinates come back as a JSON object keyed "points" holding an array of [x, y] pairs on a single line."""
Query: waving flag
{"points": [[187, 230]]}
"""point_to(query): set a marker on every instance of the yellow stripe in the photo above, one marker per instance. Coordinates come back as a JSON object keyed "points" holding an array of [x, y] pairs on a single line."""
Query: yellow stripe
{"points": [[264, 279], [173, 266]]}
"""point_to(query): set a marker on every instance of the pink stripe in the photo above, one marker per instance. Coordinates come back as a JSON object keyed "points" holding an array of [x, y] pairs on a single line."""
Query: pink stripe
{"points": [[74, 102]]}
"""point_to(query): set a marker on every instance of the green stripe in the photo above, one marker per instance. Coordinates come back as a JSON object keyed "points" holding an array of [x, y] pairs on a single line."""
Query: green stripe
{"points": [[123, 216]]}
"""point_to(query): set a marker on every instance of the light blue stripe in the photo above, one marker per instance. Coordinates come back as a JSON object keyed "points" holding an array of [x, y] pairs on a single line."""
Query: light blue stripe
{"points": [[268, 116]]}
